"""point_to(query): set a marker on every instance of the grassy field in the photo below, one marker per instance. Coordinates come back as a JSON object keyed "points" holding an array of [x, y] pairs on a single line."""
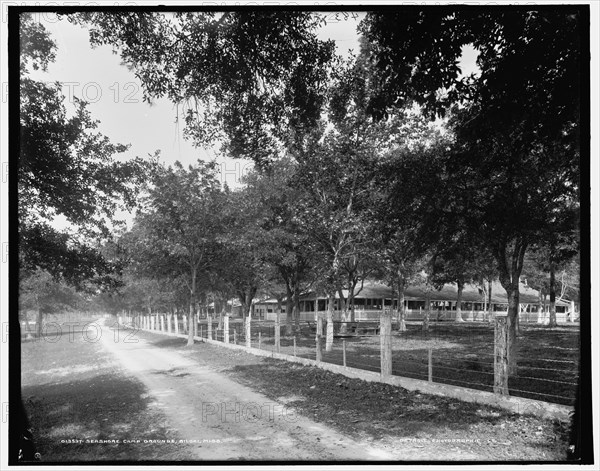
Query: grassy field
{"points": [[72, 390], [462, 355]]}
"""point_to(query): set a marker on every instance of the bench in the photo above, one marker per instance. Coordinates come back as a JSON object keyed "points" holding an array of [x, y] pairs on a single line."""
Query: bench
{"points": [[353, 329], [370, 330]]}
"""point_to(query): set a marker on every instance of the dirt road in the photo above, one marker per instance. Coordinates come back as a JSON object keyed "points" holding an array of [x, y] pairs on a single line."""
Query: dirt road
{"points": [[223, 420]]}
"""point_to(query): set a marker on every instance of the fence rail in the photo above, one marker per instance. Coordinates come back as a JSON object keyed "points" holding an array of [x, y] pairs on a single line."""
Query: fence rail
{"points": [[470, 359]]}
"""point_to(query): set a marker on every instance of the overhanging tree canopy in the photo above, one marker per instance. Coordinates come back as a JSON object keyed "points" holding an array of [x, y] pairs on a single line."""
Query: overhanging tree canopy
{"points": [[515, 163], [67, 169], [242, 77]]}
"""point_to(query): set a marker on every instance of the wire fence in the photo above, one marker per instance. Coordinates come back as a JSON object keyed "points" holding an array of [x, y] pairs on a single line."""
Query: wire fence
{"points": [[453, 354]]}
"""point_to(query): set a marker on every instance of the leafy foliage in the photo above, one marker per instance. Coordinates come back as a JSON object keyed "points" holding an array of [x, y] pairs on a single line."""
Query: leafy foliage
{"points": [[515, 159], [66, 169], [242, 77]]}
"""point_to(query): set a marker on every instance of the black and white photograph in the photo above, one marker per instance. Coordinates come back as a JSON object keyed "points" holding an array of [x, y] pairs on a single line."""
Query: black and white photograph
{"points": [[299, 234]]}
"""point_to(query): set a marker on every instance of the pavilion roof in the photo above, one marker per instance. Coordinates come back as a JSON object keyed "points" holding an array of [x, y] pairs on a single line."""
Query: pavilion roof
{"points": [[448, 292]]}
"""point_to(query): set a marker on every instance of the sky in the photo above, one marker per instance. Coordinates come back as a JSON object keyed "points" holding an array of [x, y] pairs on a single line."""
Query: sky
{"points": [[115, 95], [115, 98]]}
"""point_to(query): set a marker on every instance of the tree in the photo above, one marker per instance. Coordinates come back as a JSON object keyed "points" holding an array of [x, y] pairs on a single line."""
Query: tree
{"points": [[546, 261], [455, 261], [244, 246], [285, 242], [486, 273], [66, 168], [517, 126], [536, 270], [179, 226], [407, 184], [41, 293], [337, 178], [243, 78]]}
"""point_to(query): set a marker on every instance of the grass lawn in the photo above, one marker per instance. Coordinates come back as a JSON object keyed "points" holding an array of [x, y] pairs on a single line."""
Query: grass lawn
{"points": [[72, 390], [462, 355]]}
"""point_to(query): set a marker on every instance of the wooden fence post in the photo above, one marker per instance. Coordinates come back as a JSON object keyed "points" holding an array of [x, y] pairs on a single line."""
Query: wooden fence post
{"points": [[209, 328], [162, 322], [319, 338], [235, 336], [176, 319], [277, 332], [430, 365], [226, 329], [319, 348], [501, 354], [385, 334], [259, 340], [294, 346], [248, 329], [344, 351]]}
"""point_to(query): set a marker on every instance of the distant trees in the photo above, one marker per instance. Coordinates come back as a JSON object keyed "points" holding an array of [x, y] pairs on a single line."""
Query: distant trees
{"points": [[42, 294]]}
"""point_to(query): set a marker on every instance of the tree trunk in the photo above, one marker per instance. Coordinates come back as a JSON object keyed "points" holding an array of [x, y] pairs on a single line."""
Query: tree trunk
{"points": [[401, 310], [385, 338], [542, 319], [38, 323], [490, 304], [459, 294], [552, 322], [248, 324], [289, 310], [277, 339], [329, 328], [343, 310], [426, 314], [221, 312], [190, 340], [483, 314], [501, 367], [512, 291], [296, 309]]}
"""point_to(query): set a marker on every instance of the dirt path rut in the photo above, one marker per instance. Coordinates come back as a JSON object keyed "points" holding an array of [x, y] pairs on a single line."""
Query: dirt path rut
{"points": [[223, 420]]}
